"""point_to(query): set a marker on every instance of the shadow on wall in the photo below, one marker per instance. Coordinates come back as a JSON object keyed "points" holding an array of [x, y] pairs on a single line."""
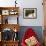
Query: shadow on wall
{"points": [[37, 29]]}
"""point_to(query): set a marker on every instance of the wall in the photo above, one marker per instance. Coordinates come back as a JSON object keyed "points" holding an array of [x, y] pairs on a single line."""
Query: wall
{"points": [[31, 4], [28, 22], [27, 4]]}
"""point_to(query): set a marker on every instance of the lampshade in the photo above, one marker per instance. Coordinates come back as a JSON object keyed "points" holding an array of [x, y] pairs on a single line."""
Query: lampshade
{"points": [[15, 30], [15, 3]]}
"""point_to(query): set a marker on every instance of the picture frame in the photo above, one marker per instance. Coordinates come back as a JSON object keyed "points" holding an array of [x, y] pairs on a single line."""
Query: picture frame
{"points": [[29, 13], [13, 12], [5, 12]]}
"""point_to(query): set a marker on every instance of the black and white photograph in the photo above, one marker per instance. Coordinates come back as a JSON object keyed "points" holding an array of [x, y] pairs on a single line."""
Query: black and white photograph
{"points": [[30, 13]]}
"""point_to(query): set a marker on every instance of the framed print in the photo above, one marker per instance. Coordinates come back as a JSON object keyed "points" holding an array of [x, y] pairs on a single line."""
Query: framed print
{"points": [[30, 13], [5, 12], [13, 12]]}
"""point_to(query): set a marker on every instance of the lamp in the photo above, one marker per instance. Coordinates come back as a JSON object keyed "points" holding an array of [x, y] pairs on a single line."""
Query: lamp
{"points": [[15, 3], [15, 30]]}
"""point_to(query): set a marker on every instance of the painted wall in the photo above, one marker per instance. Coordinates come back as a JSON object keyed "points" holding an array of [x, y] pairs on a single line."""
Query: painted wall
{"points": [[31, 4], [27, 4], [27, 22]]}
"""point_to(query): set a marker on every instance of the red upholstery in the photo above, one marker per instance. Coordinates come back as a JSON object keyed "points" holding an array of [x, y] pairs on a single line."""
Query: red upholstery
{"points": [[29, 33]]}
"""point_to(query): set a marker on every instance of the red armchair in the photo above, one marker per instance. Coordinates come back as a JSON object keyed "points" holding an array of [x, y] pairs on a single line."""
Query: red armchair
{"points": [[29, 36]]}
